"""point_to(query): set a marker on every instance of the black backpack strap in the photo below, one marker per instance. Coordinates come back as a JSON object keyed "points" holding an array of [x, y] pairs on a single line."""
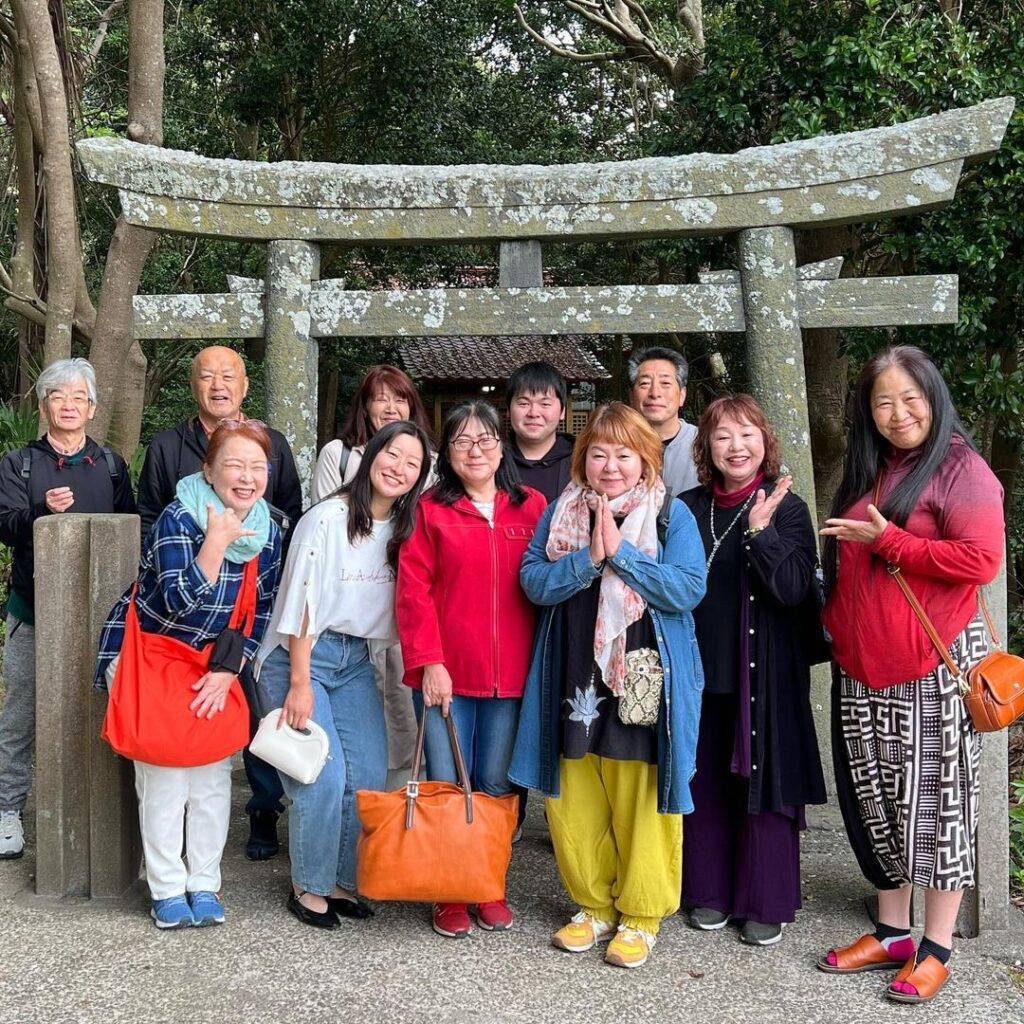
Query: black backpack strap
{"points": [[108, 457], [664, 518], [346, 454], [26, 464]]}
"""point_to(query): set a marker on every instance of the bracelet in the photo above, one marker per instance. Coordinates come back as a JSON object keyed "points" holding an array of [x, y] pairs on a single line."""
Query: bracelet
{"points": [[752, 531]]}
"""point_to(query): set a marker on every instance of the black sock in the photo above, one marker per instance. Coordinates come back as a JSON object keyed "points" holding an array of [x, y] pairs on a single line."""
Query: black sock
{"points": [[886, 931], [930, 946]]}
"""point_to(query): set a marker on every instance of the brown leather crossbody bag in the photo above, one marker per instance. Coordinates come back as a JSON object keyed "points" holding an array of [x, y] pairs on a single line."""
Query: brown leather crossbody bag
{"points": [[992, 690]]}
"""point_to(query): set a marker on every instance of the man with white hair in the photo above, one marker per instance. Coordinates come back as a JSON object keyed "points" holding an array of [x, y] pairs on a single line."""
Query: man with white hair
{"points": [[64, 471]]}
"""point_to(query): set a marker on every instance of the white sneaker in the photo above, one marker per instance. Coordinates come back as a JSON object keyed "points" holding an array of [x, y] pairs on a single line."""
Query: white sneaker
{"points": [[12, 835]]}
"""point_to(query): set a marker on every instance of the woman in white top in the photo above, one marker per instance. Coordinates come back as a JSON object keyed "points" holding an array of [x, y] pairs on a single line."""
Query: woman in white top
{"points": [[336, 593], [385, 394]]}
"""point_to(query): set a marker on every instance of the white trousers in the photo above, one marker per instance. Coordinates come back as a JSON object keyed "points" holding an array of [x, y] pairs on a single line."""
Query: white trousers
{"points": [[166, 796]]}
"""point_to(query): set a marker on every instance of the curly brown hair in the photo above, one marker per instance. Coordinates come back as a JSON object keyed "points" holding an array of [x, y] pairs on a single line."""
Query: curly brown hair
{"points": [[744, 409]]}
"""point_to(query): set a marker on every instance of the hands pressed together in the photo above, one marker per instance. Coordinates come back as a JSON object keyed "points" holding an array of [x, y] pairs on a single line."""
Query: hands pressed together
{"points": [[605, 540]]}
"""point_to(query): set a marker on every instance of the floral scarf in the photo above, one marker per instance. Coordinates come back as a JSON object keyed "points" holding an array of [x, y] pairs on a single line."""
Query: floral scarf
{"points": [[618, 605]]}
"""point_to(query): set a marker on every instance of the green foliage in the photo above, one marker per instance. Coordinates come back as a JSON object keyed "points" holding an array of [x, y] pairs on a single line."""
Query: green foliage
{"points": [[1017, 835], [17, 427]]}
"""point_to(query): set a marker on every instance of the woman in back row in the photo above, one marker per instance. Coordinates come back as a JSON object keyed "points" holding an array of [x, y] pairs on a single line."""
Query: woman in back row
{"points": [[385, 395]]}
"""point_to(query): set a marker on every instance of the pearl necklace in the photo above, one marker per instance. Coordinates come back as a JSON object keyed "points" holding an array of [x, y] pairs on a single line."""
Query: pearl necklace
{"points": [[717, 541]]}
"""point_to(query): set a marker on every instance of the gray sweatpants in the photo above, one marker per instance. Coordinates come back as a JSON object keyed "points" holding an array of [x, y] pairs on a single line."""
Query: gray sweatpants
{"points": [[18, 718]]}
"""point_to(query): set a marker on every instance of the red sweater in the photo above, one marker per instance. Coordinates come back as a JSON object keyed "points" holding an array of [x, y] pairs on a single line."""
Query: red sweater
{"points": [[458, 599], [952, 543]]}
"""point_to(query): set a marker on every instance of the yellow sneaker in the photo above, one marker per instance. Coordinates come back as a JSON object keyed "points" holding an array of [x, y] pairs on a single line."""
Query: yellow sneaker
{"points": [[583, 932], [630, 948]]}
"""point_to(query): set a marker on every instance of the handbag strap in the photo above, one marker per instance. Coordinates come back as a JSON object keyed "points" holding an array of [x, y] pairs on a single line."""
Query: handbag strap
{"points": [[243, 615], [412, 787], [894, 570]]}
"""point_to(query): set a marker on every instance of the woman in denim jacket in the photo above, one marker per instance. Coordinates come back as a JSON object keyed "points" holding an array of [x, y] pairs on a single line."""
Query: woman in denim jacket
{"points": [[617, 786]]}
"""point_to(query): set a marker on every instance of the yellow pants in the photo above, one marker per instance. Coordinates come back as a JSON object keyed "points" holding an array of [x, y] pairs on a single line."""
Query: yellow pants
{"points": [[619, 859]]}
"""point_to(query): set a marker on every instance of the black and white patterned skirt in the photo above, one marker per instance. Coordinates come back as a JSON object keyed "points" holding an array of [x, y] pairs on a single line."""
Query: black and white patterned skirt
{"points": [[911, 757]]}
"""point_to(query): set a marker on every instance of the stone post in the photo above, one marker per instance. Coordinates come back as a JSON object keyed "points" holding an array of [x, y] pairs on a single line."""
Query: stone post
{"points": [[291, 358], [987, 907], [520, 265], [775, 361], [86, 817]]}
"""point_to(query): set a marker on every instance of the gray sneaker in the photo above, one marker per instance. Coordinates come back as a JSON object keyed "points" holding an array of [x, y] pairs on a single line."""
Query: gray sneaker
{"points": [[707, 919], [12, 835], [758, 933]]}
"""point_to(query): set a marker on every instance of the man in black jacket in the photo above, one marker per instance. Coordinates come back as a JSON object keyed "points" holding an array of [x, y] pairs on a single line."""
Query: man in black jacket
{"points": [[219, 385], [64, 471], [536, 394]]}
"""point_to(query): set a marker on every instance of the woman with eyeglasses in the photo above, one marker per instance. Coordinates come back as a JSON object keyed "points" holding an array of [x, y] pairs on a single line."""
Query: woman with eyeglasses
{"points": [[464, 623], [213, 554]]}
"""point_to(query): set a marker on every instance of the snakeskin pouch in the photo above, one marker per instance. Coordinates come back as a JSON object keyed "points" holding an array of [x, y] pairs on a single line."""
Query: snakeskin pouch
{"points": [[641, 690]]}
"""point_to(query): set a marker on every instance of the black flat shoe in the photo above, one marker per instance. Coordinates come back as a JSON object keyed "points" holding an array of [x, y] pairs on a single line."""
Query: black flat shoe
{"points": [[327, 919], [345, 907], [262, 843]]}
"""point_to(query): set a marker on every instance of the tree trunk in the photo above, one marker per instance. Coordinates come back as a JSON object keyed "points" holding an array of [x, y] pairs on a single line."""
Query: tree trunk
{"points": [[119, 360], [328, 413], [64, 260]]}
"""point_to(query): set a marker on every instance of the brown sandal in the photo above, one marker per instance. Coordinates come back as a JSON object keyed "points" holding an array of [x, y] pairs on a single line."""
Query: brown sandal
{"points": [[866, 954], [927, 976]]}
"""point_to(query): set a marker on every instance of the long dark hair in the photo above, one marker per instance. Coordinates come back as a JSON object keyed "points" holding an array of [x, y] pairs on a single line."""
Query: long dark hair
{"points": [[359, 491], [357, 428], [866, 449], [449, 487]]}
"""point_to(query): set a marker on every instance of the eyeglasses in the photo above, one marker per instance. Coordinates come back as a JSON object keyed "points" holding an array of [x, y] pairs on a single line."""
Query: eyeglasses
{"points": [[234, 424], [59, 398], [487, 443]]}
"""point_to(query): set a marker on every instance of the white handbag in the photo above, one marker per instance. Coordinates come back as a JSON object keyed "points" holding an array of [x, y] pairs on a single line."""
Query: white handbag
{"points": [[300, 754]]}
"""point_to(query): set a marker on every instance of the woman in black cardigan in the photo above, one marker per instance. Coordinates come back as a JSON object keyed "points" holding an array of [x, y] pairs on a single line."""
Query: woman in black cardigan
{"points": [[758, 632]]}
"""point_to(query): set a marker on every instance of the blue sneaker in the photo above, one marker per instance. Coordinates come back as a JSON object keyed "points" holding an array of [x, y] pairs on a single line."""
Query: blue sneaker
{"points": [[206, 908], [173, 912]]}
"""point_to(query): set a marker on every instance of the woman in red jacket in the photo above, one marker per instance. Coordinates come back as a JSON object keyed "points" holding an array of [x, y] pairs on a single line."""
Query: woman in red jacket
{"points": [[464, 623], [915, 493]]}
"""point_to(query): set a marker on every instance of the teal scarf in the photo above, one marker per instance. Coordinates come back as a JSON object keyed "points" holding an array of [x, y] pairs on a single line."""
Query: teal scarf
{"points": [[195, 494]]}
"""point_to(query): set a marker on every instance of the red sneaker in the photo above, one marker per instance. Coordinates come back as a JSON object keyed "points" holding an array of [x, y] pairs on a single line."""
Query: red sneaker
{"points": [[494, 916], [451, 920]]}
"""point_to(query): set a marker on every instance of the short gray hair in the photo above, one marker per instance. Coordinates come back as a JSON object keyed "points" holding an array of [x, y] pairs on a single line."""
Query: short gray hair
{"points": [[64, 372], [670, 355]]}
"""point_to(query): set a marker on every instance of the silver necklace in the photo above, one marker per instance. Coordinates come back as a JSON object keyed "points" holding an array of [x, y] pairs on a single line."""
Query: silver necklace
{"points": [[717, 541]]}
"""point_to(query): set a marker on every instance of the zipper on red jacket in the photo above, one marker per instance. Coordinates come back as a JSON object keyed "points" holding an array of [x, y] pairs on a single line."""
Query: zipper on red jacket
{"points": [[494, 601]]}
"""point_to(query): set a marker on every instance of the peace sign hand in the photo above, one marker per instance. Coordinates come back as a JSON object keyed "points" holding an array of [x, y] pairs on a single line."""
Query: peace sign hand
{"points": [[764, 506]]}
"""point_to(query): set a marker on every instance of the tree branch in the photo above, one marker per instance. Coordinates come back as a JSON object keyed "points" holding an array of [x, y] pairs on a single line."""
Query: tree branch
{"points": [[561, 51], [102, 28]]}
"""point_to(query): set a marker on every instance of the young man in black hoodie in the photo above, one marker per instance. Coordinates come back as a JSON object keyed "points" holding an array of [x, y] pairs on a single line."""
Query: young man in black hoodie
{"points": [[219, 386], [64, 471], [535, 395]]}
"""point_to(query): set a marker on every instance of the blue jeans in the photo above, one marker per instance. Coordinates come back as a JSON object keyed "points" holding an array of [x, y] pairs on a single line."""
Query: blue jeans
{"points": [[486, 727], [323, 825]]}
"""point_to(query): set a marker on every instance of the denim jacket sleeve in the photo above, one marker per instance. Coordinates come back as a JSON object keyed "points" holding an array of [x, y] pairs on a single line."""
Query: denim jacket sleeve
{"points": [[677, 582], [546, 582]]}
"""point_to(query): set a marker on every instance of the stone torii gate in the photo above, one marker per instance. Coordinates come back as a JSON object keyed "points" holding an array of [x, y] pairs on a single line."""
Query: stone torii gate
{"points": [[759, 195]]}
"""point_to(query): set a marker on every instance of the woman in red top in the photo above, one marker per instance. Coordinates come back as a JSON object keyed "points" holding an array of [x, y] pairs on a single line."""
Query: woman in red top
{"points": [[915, 493], [465, 625]]}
